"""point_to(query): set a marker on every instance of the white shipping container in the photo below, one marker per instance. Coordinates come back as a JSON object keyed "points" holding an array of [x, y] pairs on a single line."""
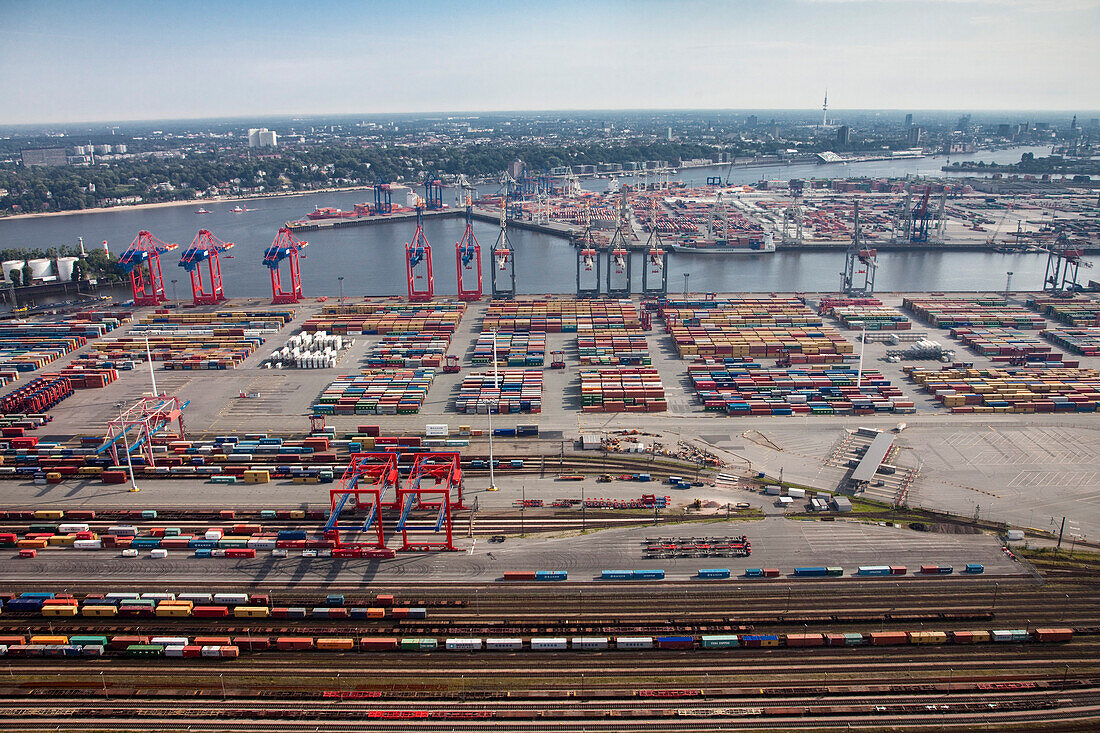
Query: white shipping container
{"points": [[634, 642], [129, 553], [211, 651], [195, 597], [213, 534], [158, 554], [504, 644], [797, 493], [169, 640], [436, 430], [123, 530], [173, 651], [70, 528], [463, 645], [88, 545], [589, 642]]}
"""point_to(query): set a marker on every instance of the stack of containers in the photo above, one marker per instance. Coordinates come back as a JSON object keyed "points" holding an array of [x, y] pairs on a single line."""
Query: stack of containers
{"points": [[527, 348], [409, 350], [517, 390], [1084, 341], [606, 347], [553, 315], [218, 340], [753, 328], [384, 316], [622, 389], [1002, 344], [860, 313], [377, 392], [746, 388], [978, 311], [1082, 311], [1016, 390]]}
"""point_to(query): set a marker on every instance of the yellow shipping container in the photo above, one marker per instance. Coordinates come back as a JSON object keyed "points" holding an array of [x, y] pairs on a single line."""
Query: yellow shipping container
{"points": [[49, 514], [96, 610], [59, 610]]}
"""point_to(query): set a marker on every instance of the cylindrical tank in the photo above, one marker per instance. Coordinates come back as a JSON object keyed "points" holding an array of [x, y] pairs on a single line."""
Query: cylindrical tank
{"points": [[42, 267], [65, 268], [10, 265]]}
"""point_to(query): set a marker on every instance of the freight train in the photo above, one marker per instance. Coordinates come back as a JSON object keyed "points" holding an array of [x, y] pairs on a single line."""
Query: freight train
{"points": [[226, 647]]}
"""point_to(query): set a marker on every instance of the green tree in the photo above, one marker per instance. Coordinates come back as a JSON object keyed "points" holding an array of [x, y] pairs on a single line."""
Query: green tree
{"points": [[16, 277], [27, 276]]}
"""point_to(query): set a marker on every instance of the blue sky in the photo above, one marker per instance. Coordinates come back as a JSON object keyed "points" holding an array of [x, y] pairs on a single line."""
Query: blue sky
{"points": [[68, 61]]}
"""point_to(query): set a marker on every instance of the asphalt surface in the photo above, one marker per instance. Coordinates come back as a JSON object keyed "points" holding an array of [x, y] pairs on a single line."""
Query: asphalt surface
{"points": [[776, 542]]}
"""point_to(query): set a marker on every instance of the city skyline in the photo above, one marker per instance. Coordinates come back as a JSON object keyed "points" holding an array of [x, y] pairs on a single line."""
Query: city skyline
{"points": [[68, 63]]}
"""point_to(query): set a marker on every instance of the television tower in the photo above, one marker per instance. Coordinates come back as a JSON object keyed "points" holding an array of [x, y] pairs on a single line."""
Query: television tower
{"points": [[825, 110]]}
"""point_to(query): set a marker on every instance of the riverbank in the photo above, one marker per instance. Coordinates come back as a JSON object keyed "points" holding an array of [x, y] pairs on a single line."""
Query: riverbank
{"points": [[187, 202]]}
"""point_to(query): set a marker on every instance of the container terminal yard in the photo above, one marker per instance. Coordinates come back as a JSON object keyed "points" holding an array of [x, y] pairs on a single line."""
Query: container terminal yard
{"points": [[702, 511]]}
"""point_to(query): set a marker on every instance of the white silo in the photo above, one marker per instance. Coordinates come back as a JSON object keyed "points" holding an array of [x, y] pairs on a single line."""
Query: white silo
{"points": [[12, 265], [41, 267], [65, 268]]}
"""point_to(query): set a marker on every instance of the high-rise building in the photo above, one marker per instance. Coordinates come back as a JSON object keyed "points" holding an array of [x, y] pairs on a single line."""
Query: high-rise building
{"points": [[669, 134], [843, 135], [909, 120], [102, 149], [752, 121], [262, 138], [517, 168], [44, 156], [120, 149], [914, 135], [1004, 130]]}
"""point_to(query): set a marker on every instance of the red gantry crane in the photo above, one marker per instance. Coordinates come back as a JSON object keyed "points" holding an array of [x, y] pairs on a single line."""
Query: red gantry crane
{"points": [[468, 258], [205, 248], [142, 260], [418, 262], [285, 247]]}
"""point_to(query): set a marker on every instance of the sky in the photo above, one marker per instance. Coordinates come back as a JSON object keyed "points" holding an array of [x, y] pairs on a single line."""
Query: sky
{"points": [[158, 59]]}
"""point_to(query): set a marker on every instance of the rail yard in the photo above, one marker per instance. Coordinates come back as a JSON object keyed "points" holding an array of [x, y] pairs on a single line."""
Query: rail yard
{"points": [[703, 512]]}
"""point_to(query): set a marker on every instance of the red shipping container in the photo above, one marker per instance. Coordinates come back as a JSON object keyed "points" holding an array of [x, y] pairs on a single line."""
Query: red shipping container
{"points": [[886, 638], [377, 643], [210, 611]]}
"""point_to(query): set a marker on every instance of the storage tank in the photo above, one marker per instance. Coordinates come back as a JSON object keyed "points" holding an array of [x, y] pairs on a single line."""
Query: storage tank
{"points": [[40, 268], [12, 265], [65, 268]]}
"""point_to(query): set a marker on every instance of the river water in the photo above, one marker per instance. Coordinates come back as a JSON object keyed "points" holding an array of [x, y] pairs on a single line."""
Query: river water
{"points": [[371, 257]]}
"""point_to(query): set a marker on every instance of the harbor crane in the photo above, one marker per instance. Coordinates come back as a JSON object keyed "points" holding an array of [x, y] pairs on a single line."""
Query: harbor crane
{"points": [[285, 247], [619, 275], [857, 256], [655, 269], [717, 220], [504, 259], [418, 262], [588, 260], [428, 487], [992, 241], [205, 248], [1063, 265], [468, 258], [433, 194], [142, 261], [136, 427], [364, 487], [383, 198]]}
